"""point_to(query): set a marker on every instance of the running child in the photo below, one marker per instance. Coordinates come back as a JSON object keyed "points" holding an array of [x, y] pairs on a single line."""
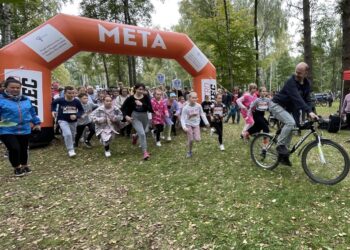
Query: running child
{"points": [[258, 108], [107, 119], [160, 114], [84, 121], [206, 106], [190, 119], [244, 103], [67, 110], [218, 111]]}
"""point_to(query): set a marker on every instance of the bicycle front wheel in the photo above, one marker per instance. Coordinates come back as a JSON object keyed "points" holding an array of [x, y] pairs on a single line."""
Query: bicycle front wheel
{"points": [[326, 164], [263, 151]]}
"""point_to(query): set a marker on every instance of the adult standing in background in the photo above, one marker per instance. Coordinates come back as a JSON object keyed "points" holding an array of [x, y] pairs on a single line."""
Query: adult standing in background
{"points": [[92, 95], [17, 114]]}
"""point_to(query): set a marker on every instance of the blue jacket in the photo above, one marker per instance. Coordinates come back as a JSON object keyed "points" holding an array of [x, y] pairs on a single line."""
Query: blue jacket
{"points": [[21, 112]]}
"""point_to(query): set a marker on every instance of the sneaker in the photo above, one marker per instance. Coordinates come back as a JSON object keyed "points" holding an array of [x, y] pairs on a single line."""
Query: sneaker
{"points": [[189, 154], [246, 136], [134, 139], [212, 130], [222, 147], [108, 154], [87, 144], [153, 133], [81, 139], [158, 144], [19, 172], [27, 170], [284, 160], [168, 138], [145, 155], [71, 153]]}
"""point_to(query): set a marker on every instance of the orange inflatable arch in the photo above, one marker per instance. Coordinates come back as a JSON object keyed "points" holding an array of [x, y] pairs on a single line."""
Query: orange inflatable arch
{"points": [[32, 57]]}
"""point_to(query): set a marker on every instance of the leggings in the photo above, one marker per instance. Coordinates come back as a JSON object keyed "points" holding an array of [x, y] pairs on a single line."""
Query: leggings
{"points": [[158, 128], [218, 127], [17, 145], [140, 124], [260, 123], [80, 130]]}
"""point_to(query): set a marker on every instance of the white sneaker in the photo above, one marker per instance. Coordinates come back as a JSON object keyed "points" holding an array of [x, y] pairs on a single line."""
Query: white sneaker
{"points": [[158, 144], [71, 153], [168, 138], [212, 130], [108, 154], [222, 147]]}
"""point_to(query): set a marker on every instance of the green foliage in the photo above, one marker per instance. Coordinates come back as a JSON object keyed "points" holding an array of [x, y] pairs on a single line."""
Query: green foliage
{"points": [[62, 75], [204, 22]]}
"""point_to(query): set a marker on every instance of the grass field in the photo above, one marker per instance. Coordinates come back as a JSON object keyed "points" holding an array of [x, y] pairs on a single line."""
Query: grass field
{"points": [[216, 200]]}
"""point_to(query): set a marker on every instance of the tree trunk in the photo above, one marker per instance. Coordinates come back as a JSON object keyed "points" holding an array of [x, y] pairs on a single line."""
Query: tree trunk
{"points": [[106, 69], [229, 46], [257, 75], [131, 60], [345, 9], [5, 17], [307, 38]]}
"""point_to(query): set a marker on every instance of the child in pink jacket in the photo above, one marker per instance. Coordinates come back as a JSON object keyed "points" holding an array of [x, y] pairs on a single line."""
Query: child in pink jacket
{"points": [[244, 103], [160, 114]]}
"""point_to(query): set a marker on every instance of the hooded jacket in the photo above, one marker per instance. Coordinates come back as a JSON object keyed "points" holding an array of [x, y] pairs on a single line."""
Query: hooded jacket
{"points": [[20, 111]]}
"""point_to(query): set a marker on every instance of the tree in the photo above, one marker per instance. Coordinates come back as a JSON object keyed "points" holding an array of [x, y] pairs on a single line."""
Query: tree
{"points": [[20, 17], [307, 38], [122, 11]]}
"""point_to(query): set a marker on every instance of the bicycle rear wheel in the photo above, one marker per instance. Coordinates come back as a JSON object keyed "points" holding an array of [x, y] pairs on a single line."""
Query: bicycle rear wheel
{"points": [[328, 164], [263, 151]]}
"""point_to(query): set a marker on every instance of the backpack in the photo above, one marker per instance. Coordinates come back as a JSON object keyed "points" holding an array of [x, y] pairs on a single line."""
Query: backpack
{"points": [[334, 123]]}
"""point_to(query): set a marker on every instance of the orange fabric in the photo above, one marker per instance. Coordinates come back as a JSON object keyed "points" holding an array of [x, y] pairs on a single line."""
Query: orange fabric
{"points": [[84, 34]]}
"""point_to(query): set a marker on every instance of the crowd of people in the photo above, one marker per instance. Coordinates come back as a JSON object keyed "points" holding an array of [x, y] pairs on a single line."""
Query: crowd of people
{"points": [[80, 113]]}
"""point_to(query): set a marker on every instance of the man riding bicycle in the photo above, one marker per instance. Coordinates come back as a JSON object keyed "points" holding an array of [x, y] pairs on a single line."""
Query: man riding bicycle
{"points": [[293, 97]]}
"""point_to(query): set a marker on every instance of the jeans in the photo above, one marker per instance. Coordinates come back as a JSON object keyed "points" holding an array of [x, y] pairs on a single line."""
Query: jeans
{"points": [[68, 132], [287, 119], [140, 124]]}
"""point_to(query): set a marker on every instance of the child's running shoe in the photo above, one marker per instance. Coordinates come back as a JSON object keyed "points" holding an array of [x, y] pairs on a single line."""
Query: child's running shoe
{"points": [[134, 139], [212, 131], [145, 155], [87, 144], [158, 144], [71, 153], [19, 172], [108, 154], [26, 170], [189, 154], [222, 147]]}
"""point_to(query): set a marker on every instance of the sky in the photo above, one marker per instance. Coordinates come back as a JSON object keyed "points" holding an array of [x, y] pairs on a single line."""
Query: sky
{"points": [[165, 14]]}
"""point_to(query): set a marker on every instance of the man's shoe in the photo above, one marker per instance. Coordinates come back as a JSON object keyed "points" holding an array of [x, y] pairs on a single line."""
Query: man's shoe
{"points": [[27, 170], [284, 160], [282, 150], [19, 172]]}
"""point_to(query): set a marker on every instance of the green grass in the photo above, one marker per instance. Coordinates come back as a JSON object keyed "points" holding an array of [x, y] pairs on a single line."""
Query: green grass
{"points": [[216, 200]]}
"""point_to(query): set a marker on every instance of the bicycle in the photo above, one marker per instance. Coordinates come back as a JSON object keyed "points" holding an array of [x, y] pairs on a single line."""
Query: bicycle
{"points": [[324, 161]]}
